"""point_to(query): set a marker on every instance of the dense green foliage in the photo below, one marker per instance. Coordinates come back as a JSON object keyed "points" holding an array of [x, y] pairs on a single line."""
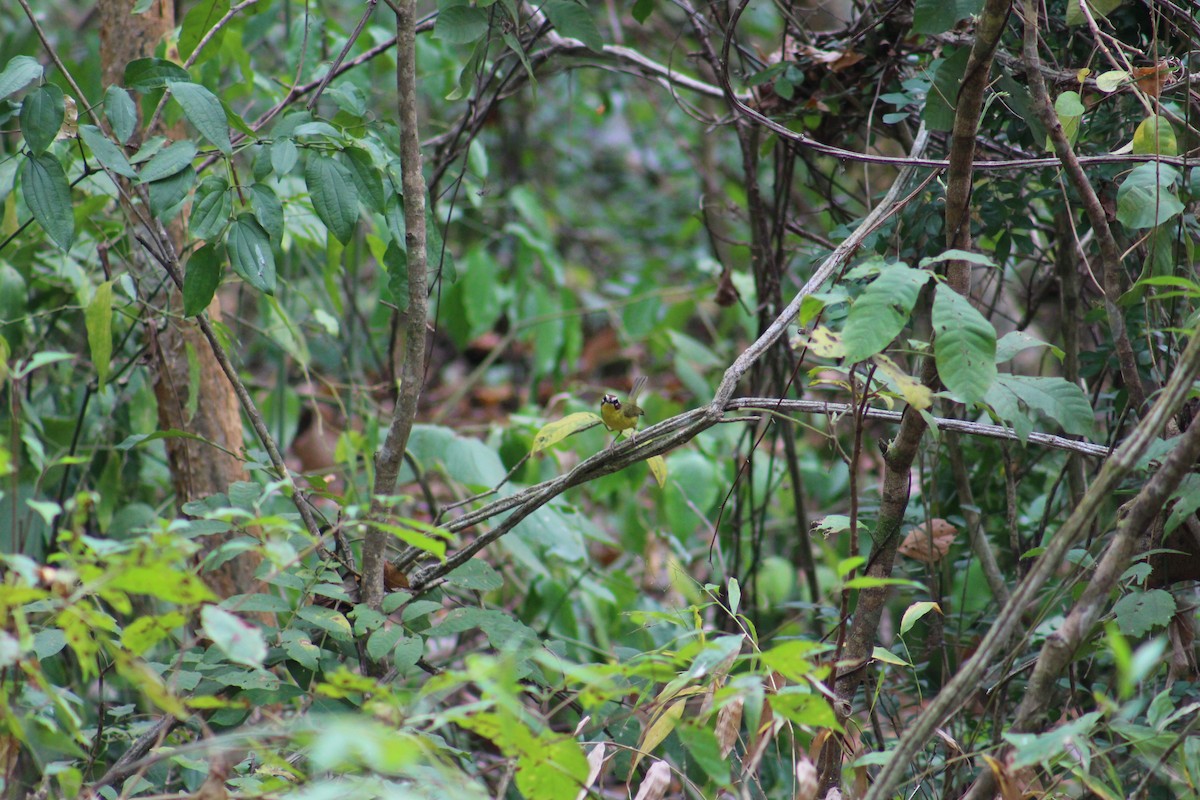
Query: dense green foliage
{"points": [[604, 202]]}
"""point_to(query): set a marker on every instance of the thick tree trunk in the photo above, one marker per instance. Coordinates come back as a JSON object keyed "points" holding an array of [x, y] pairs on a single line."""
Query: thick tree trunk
{"points": [[208, 409]]}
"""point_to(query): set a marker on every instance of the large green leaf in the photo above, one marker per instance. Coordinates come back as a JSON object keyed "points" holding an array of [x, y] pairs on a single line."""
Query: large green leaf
{"points": [[268, 210], [1145, 199], [250, 253], [168, 161], [1021, 399], [46, 191], [167, 194], [121, 112], [943, 94], [106, 152], [197, 23], [211, 209], [240, 641], [201, 279], [461, 24], [143, 74], [964, 346], [42, 114], [939, 16], [334, 197], [367, 178], [18, 73], [575, 22], [1138, 612], [882, 311], [203, 110]]}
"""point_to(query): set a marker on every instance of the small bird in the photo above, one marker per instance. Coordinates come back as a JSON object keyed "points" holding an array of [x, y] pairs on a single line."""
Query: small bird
{"points": [[620, 416]]}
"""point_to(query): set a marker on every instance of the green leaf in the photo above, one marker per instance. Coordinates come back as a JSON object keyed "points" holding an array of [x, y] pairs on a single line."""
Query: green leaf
{"points": [[167, 194], [575, 22], [267, 210], [168, 161], [204, 111], [964, 346], [939, 16], [482, 293], [334, 197], [18, 73], [42, 114], [395, 259], [1145, 199], [366, 178], [1188, 495], [201, 279], [240, 641], [702, 745], [881, 311], [383, 640], [476, 575], [1040, 748], [914, 613], [211, 209], [46, 191], [1019, 399], [199, 20], [332, 622], [121, 113], [144, 74], [98, 320], [110, 155], [943, 94], [284, 155], [461, 24], [1138, 613], [642, 10], [1069, 108], [250, 253], [1015, 342]]}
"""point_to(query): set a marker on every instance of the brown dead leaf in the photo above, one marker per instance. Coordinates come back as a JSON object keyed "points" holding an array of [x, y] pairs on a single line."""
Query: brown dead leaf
{"points": [[657, 782], [929, 545], [1151, 79], [729, 723]]}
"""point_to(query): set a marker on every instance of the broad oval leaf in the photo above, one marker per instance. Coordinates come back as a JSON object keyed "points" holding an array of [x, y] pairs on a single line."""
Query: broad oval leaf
{"points": [[461, 24], [554, 432], [168, 161], [334, 197], [19, 73], [250, 253], [575, 22], [1145, 199], [143, 74], [110, 155], [915, 612], [268, 210], [167, 194], [121, 112], [201, 279], [42, 114], [205, 112], [46, 191], [881, 311], [964, 346], [212, 208], [240, 641]]}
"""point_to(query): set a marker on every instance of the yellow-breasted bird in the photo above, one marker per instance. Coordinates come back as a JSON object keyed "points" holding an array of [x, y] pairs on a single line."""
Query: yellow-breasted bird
{"points": [[620, 416]]}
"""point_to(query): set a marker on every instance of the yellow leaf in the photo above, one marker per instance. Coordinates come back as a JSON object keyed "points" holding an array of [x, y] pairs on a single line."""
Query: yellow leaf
{"points": [[658, 467], [660, 729], [824, 343], [554, 432], [915, 393]]}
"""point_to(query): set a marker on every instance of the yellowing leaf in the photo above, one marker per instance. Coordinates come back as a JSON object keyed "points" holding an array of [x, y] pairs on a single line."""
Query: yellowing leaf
{"points": [[888, 657], [658, 468], [98, 319], [915, 393], [915, 612], [1155, 136], [660, 729], [1112, 80], [824, 343], [554, 432]]}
